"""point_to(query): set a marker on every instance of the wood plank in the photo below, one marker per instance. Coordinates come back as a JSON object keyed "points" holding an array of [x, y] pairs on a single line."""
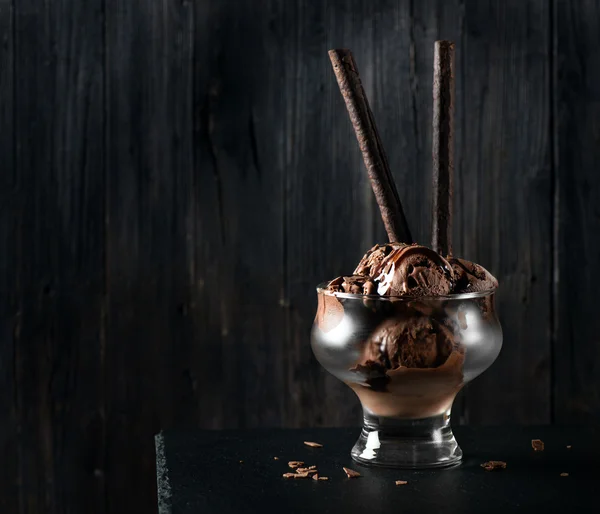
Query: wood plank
{"points": [[503, 189], [150, 357], [577, 221], [211, 265], [240, 146], [326, 197], [58, 361], [9, 263]]}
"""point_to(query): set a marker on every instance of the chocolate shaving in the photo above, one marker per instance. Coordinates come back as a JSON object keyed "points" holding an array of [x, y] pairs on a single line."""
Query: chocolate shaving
{"points": [[313, 445], [370, 144], [323, 478], [275, 458], [568, 447], [315, 476], [306, 470], [564, 474], [295, 464], [401, 482], [537, 445], [350, 473], [493, 465], [312, 467], [295, 475], [443, 146]]}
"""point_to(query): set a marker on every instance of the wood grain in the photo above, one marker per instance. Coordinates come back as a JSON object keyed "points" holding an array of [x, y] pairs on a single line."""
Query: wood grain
{"points": [[503, 194], [10, 207], [321, 235], [58, 360], [244, 146], [149, 171], [577, 217]]}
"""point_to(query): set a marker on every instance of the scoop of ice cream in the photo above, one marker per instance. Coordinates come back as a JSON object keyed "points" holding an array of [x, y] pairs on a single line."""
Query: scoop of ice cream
{"points": [[411, 342], [411, 270], [470, 277], [372, 259], [355, 284], [397, 269]]}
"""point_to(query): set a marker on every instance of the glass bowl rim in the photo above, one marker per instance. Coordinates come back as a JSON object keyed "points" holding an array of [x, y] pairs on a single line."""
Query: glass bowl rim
{"points": [[322, 289]]}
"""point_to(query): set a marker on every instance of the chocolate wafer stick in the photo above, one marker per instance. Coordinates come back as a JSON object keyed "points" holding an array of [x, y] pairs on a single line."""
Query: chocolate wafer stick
{"points": [[370, 144], [443, 146]]}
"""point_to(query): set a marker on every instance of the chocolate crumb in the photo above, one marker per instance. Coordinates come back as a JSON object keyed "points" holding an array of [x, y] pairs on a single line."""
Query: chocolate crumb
{"points": [[537, 445], [493, 465], [295, 475], [313, 445], [295, 464], [323, 478], [564, 474], [275, 458], [241, 461], [568, 447], [306, 470], [350, 473], [401, 482], [315, 476]]}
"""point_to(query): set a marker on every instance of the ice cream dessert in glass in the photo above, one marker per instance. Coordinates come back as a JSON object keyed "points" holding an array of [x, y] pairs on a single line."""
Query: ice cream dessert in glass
{"points": [[410, 325]]}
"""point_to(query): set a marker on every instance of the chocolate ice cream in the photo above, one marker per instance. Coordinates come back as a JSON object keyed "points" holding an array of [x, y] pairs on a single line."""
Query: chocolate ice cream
{"points": [[355, 284], [470, 277], [413, 393], [415, 341], [397, 269], [412, 358], [411, 270], [411, 365]]}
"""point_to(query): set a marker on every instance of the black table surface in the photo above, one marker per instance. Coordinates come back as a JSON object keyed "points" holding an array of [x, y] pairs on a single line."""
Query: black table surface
{"points": [[224, 472]]}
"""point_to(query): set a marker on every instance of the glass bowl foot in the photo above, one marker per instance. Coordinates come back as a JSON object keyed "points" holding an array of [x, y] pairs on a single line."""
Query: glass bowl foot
{"points": [[407, 443]]}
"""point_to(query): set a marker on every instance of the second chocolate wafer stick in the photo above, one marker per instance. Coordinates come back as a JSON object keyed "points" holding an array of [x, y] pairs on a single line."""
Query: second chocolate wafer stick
{"points": [[443, 146]]}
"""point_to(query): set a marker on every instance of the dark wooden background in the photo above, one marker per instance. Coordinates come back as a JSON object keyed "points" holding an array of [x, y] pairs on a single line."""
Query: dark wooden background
{"points": [[177, 175]]}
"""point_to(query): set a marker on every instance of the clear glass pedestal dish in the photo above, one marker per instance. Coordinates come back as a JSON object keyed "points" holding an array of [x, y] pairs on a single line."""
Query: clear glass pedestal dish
{"points": [[406, 359]]}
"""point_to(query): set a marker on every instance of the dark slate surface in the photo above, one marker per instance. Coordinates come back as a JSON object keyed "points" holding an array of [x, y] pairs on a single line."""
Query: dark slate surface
{"points": [[235, 472]]}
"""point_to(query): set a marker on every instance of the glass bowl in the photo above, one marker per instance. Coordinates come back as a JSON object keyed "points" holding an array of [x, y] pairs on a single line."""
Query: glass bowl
{"points": [[406, 359]]}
